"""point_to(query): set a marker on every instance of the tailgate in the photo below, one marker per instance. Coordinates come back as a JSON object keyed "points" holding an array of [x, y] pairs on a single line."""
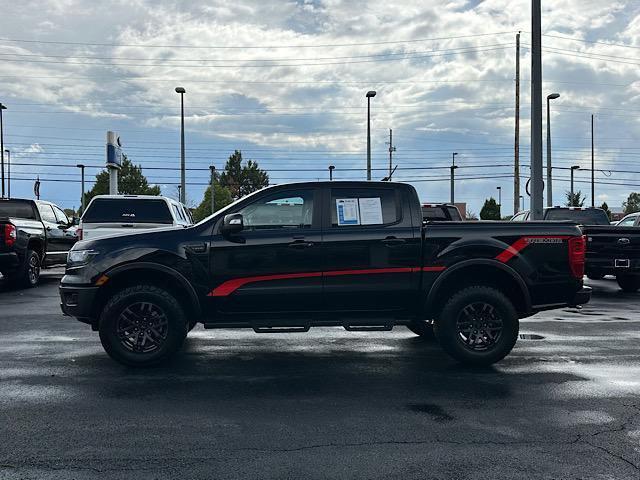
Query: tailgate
{"points": [[613, 242]]}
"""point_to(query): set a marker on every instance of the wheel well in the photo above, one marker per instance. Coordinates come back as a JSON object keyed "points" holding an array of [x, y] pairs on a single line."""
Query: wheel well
{"points": [[146, 276], [36, 246], [483, 275]]}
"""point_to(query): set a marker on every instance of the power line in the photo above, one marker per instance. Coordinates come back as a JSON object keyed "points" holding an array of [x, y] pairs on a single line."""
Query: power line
{"points": [[242, 47]]}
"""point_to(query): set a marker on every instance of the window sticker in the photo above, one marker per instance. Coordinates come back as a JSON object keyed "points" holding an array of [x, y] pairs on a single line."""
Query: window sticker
{"points": [[347, 210], [370, 211]]}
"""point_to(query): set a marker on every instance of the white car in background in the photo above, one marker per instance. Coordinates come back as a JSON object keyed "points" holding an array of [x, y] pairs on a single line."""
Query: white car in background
{"points": [[125, 214]]}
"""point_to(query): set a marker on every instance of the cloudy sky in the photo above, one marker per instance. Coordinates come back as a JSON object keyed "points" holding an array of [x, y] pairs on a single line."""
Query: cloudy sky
{"points": [[285, 82]]}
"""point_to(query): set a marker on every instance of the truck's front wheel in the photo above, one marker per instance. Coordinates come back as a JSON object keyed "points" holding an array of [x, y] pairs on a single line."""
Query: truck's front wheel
{"points": [[142, 326], [477, 326]]}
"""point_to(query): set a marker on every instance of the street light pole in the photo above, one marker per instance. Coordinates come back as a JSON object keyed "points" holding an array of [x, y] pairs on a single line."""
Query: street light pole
{"points": [[593, 167], [81, 167], [370, 95], [553, 96], [453, 168], [573, 169], [8, 172], [331, 169], [2, 107], [499, 200], [182, 91], [213, 188]]}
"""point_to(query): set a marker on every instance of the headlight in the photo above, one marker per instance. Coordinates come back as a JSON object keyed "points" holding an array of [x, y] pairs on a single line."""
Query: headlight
{"points": [[80, 257]]}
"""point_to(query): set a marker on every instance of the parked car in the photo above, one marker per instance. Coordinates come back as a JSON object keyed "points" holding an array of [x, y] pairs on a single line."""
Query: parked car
{"points": [[33, 235], [350, 254], [611, 250], [440, 212], [122, 214], [631, 220]]}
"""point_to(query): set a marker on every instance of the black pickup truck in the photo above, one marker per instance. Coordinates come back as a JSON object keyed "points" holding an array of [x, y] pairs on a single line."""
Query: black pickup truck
{"points": [[33, 234], [611, 249], [350, 254]]}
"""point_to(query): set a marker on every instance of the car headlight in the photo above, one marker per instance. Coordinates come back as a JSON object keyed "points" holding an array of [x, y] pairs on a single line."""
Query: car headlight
{"points": [[76, 258]]}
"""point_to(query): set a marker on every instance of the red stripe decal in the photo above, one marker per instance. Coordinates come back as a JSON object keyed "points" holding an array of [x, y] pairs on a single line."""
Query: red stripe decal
{"points": [[230, 286], [434, 269], [516, 247]]}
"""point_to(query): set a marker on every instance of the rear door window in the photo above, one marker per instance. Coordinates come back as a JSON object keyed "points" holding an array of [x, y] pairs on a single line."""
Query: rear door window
{"points": [[46, 212], [627, 222], [364, 206], [128, 210]]}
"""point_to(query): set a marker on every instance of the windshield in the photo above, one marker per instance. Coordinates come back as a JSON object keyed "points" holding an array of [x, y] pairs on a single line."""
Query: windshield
{"points": [[128, 210], [589, 216], [17, 209]]}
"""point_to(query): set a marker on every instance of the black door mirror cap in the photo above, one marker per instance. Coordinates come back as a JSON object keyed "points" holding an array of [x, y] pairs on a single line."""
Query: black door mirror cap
{"points": [[232, 224]]}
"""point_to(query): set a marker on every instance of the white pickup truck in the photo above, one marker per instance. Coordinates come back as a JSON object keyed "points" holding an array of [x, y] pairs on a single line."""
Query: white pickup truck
{"points": [[124, 214]]}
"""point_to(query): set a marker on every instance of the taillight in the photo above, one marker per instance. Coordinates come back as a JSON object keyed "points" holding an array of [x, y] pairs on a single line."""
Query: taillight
{"points": [[10, 235], [577, 250], [79, 233]]}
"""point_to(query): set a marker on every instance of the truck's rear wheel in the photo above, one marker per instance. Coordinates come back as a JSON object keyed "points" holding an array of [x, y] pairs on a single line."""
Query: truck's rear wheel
{"points": [[424, 328], [28, 275], [629, 283], [142, 326], [477, 326]]}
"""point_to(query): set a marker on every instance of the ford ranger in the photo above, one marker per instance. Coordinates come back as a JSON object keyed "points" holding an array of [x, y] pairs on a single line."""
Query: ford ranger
{"points": [[349, 254]]}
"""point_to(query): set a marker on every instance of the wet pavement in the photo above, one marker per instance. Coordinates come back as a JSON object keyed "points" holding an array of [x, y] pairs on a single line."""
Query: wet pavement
{"points": [[326, 404]]}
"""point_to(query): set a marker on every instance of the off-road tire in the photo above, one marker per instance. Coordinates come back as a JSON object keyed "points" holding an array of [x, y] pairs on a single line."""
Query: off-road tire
{"points": [[125, 308], [629, 283], [447, 327]]}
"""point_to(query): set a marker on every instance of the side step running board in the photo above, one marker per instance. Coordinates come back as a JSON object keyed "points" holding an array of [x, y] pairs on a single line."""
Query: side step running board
{"points": [[368, 328], [300, 329]]}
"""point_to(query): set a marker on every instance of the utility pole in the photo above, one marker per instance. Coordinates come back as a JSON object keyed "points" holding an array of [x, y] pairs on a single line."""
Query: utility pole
{"points": [[537, 184], [573, 169], [213, 188], [549, 187], [391, 150], [2, 107], [516, 169], [81, 167], [593, 168], [499, 200], [453, 169]]}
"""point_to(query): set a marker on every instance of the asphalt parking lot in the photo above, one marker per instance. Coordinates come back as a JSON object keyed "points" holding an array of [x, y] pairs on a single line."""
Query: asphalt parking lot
{"points": [[327, 404]]}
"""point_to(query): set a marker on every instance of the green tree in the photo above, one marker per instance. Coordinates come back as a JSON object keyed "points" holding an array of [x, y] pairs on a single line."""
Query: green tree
{"points": [[131, 181], [575, 200], [222, 199], [605, 207], [632, 204], [242, 180], [490, 210]]}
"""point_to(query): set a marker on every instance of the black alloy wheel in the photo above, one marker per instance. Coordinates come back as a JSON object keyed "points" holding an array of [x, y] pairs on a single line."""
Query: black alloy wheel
{"points": [[479, 326], [142, 327]]}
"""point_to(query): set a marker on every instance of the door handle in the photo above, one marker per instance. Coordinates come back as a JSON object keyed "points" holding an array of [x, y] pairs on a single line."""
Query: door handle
{"points": [[300, 244], [391, 241]]}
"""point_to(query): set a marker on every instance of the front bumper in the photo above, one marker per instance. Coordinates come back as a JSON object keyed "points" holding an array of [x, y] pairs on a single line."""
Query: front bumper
{"points": [[581, 297], [79, 302]]}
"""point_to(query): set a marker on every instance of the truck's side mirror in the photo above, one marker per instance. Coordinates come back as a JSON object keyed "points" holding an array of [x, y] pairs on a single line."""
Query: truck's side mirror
{"points": [[232, 224]]}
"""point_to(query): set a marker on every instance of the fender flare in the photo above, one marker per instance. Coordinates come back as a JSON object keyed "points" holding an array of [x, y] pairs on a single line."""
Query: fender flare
{"points": [[433, 292], [176, 275]]}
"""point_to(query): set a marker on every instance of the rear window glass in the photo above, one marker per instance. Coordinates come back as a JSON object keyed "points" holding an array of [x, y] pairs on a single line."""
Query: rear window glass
{"points": [[127, 210], [584, 217], [434, 213], [17, 209]]}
